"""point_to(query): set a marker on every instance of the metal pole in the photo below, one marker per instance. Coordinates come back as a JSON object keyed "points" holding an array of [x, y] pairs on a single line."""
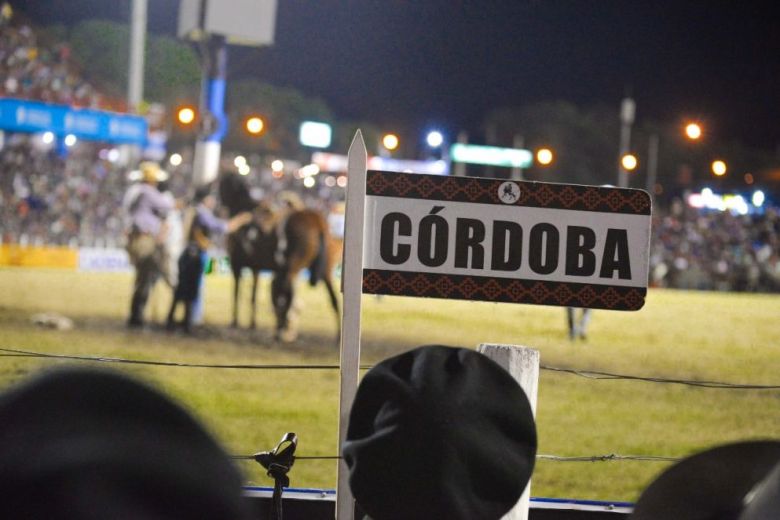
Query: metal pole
{"points": [[490, 137], [212, 109], [518, 142], [459, 168], [627, 109], [135, 86], [652, 163]]}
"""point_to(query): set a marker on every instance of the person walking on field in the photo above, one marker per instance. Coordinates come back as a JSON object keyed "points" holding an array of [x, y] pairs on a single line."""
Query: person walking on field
{"points": [[578, 329], [146, 209]]}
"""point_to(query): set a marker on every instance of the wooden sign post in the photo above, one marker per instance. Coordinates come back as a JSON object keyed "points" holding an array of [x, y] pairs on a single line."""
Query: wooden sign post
{"points": [[351, 280], [433, 236]]}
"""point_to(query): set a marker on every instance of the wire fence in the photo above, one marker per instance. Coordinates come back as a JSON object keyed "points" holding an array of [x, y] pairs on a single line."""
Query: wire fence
{"points": [[588, 374], [555, 458]]}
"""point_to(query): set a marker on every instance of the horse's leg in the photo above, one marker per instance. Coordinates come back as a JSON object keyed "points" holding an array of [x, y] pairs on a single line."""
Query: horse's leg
{"points": [[281, 296], [253, 323], [236, 282], [334, 302]]}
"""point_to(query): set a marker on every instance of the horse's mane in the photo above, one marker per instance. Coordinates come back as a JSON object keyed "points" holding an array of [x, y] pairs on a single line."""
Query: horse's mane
{"points": [[234, 193]]}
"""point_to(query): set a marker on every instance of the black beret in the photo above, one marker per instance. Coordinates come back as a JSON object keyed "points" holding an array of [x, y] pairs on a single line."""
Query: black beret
{"points": [[439, 432], [79, 443], [728, 482]]}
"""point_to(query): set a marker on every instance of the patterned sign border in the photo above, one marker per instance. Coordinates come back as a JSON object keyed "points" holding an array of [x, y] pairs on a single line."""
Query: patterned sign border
{"points": [[506, 290], [486, 191]]}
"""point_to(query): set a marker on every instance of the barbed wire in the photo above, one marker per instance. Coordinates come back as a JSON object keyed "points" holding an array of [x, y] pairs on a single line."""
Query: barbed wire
{"points": [[595, 374], [7, 352], [588, 374], [554, 458]]}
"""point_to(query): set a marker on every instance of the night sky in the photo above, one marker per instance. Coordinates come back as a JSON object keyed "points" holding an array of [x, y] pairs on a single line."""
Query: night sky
{"points": [[413, 64]]}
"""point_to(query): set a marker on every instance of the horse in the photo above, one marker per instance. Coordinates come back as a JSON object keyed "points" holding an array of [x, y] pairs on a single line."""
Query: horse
{"points": [[284, 242]]}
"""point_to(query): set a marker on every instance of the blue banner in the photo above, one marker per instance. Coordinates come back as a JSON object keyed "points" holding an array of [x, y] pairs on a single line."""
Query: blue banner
{"points": [[19, 115]]}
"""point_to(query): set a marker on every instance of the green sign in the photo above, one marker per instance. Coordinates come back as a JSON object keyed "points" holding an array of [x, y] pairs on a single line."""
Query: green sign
{"points": [[491, 155]]}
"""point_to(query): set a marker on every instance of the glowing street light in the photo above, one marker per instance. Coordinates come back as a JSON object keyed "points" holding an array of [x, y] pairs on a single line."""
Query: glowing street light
{"points": [[390, 142], [693, 131], [434, 139], [629, 162], [719, 168], [254, 125], [544, 156], [185, 115], [175, 159]]}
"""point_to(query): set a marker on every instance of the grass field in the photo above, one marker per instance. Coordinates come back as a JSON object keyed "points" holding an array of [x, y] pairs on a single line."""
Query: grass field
{"points": [[684, 335]]}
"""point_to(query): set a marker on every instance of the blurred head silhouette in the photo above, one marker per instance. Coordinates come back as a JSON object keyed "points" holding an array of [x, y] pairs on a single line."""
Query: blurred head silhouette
{"points": [[79, 443]]}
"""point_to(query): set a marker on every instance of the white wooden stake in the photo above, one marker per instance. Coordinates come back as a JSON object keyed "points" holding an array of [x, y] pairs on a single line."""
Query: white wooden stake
{"points": [[352, 287], [523, 364]]}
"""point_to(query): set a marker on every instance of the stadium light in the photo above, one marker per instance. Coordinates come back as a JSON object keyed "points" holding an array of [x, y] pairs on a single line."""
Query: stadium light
{"points": [[390, 142], [693, 131], [254, 125], [434, 139], [719, 167], [544, 156], [629, 162], [186, 115]]}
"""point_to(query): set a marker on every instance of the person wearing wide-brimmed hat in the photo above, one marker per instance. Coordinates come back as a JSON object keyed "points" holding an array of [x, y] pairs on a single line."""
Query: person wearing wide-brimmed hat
{"points": [[146, 209]]}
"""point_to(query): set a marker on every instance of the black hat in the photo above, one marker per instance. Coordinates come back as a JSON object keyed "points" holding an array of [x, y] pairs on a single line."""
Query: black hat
{"points": [[439, 432], [728, 482], [78, 443]]}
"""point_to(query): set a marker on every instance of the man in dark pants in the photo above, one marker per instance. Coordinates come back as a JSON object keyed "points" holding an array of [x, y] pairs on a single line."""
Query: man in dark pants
{"points": [[146, 208], [199, 223]]}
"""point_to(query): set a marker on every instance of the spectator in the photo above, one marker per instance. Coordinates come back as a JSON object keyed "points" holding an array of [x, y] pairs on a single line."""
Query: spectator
{"points": [[146, 209], [80, 443], [439, 432], [738, 481]]}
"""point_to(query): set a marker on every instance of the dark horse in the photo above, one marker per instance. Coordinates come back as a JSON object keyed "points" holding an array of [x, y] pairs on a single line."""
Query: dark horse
{"points": [[284, 242]]}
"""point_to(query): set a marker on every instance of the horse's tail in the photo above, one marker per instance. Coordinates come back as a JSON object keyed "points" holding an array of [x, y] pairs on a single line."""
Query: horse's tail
{"points": [[318, 268]]}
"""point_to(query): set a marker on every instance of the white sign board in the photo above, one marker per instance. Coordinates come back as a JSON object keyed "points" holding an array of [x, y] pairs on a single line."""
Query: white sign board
{"points": [[506, 241], [242, 22]]}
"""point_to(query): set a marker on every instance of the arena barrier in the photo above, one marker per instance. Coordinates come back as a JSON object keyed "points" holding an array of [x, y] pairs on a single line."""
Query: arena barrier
{"points": [[320, 504], [38, 256], [315, 504], [85, 259]]}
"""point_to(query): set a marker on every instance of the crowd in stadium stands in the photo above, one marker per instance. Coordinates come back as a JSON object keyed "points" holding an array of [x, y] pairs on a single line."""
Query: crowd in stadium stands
{"points": [[45, 73], [46, 198], [693, 249]]}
